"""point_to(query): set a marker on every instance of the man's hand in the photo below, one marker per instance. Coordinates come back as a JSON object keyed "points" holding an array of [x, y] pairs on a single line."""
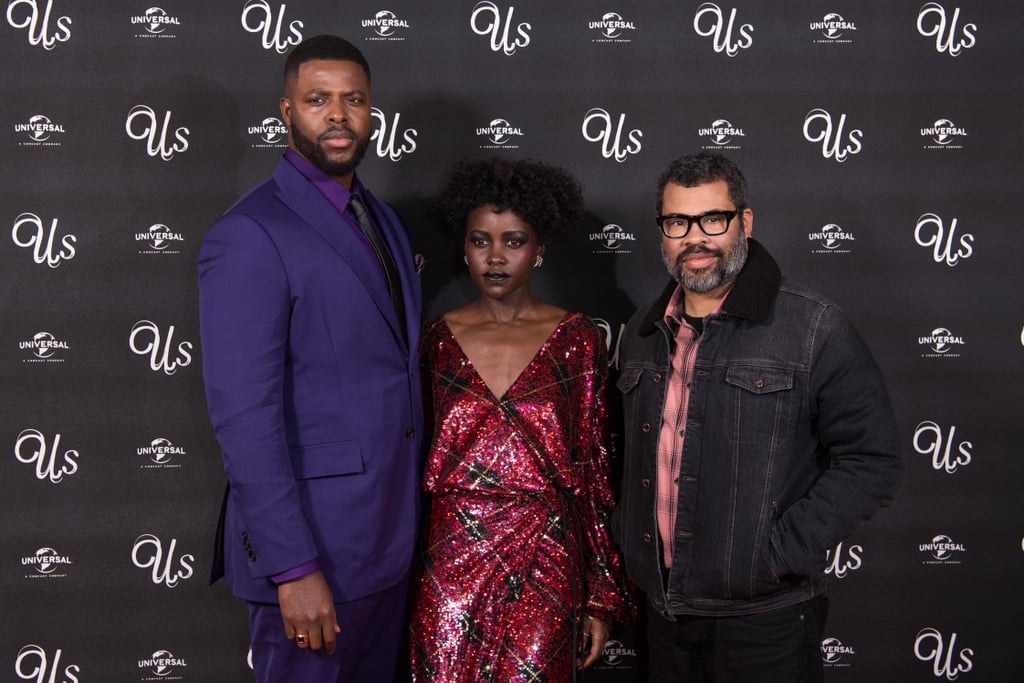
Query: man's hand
{"points": [[307, 610], [596, 632]]}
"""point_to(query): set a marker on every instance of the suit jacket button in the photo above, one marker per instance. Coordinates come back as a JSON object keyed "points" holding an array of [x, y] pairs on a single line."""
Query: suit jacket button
{"points": [[647, 538], [410, 432]]}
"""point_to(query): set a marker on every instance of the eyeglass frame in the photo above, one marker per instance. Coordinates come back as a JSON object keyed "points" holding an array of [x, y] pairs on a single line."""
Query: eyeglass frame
{"points": [[690, 220]]}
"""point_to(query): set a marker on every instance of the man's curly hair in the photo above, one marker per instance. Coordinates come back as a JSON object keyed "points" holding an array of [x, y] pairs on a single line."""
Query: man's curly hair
{"points": [[547, 197]]}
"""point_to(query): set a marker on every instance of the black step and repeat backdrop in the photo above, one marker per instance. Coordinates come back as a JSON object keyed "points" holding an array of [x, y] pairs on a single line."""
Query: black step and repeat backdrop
{"points": [[883, 144]]}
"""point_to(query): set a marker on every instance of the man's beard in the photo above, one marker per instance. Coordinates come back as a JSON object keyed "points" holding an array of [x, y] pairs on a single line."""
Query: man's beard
{"points": [[314, 151], [724, 270]]}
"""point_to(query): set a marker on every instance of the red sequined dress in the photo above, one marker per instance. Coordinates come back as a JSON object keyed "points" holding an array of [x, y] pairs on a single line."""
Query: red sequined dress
{"points": [[516, 549]]}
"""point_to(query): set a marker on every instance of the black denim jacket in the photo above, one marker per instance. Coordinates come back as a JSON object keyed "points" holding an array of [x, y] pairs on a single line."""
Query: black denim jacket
{"points": [[791, 444]]}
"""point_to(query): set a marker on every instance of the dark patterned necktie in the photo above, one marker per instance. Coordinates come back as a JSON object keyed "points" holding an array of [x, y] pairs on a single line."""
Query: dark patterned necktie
{"points": [[387, 265]]}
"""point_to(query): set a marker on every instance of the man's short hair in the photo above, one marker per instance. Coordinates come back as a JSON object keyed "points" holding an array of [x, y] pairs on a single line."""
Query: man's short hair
{"points": [[703, 168], [323, 47]]}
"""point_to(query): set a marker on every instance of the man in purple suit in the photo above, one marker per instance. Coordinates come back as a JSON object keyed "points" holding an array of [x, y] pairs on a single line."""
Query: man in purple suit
{"points": [[309, 310]]}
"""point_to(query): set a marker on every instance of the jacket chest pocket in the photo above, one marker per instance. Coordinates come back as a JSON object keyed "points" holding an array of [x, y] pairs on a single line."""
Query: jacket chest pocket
{"points": [[760, 401]]}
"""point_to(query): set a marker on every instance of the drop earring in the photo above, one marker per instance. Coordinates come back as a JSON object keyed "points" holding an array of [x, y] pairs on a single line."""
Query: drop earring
{"points": [[539, 261], [466, 259]]}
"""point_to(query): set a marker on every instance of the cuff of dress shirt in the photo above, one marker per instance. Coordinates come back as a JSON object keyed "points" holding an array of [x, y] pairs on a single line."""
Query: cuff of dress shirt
{"points": [[296, 572]]}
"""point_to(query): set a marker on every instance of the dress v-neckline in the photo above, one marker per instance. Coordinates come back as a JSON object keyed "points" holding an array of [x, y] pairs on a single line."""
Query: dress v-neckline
{"points": [[537, 354]]}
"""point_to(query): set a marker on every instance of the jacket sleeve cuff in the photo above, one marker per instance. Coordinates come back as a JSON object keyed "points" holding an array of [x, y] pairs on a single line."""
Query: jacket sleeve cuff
{"points": [[296, 572]]}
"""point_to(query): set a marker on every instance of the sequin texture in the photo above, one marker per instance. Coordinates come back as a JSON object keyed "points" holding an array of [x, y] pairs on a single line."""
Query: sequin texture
{"points": [[516, 550]]}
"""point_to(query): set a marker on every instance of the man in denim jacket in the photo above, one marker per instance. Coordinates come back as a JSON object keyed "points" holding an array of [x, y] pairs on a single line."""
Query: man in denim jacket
{"points": [[759, 434]]}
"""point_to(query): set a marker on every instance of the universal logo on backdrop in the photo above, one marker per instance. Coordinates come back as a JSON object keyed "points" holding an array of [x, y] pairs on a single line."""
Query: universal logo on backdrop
{"points": [[47, 563], [499, 134], [269, 133], [941, 549], [159, 239], [160, 453], [612, 239], [45, 348], [832, 652], [612, 28], [943, 134], [40, 131], [43, 23], [940, 343], [833, 29], [386, 25], [156, 23], [721, 135], [831, 239], [163, 664]]}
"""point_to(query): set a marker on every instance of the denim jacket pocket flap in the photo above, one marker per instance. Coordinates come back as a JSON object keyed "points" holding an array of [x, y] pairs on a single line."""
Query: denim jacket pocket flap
{"points": [[759, 380], [629, 378], [327, 460]]}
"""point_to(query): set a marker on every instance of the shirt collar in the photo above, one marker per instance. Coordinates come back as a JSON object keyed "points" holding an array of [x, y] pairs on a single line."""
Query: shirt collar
{"points": [[334, 191]]}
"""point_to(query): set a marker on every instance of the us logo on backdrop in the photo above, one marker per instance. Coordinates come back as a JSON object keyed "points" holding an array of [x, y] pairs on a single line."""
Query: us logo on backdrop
{"points": [[43, 23], [271, 22], [47, 244], [503, 29], [617, 140], [952, 34], [393, 141], [947, 245], [947, 657], [727, 36], [167, 567], [842, 560], [34, 661], [947, 452], [33, 448]]}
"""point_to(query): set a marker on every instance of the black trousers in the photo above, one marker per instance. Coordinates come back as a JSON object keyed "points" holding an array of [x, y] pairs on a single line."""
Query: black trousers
{"points": [[780, 646]]}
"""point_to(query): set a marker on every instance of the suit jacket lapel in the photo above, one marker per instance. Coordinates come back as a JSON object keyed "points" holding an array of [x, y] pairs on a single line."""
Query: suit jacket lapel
{"points": [[302, 197]]}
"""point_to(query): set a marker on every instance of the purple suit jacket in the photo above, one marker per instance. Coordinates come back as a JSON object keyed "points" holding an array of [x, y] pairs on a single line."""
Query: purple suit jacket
{"points": [[313, 392]]}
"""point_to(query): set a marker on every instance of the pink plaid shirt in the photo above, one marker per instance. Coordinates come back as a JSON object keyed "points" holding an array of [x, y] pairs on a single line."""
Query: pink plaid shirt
{"points": [[673, 420]]}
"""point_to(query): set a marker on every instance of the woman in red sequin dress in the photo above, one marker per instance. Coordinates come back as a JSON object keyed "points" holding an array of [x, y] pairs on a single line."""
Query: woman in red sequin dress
{"points": [[519, 578]]}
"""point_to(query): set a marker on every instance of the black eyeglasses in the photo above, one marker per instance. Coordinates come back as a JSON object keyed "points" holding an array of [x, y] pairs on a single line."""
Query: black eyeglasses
{"points": [[677, 225]]}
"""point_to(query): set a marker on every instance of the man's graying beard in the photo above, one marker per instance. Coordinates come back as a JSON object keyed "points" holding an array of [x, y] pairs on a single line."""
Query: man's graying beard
{"points": [[725, 269]]}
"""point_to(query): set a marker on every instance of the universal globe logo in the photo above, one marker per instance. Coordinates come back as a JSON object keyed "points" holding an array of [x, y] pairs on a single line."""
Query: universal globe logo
{"points": [[155, 20], [162, 664], [384, 24], [270, 132], [943, 134], [721, 132], [160, 452], [158, 238], [618, 655], [39, 129], [44, 346], [941, 341], [832, 650], [499, 133], [832, 238], [833, 26], [46, 562], [611, 27], [612, 238], [941, 549]]}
